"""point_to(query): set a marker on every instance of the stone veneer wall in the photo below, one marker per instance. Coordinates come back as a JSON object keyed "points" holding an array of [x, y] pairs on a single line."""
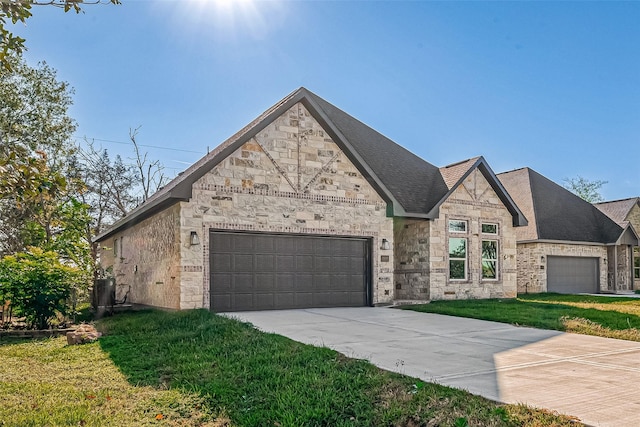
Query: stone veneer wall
{"points": [[476, 202], [290, 178], [148, 260], [620, 280], [411, 255], [634, 219], [532, 263]]}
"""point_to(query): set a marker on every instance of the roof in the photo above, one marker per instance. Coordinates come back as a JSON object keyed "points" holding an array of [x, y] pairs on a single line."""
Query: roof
{"points": [[555, 213], [411, 186], [618, 210]]}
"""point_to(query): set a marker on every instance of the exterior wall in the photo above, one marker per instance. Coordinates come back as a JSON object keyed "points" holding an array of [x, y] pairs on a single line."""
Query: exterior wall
{"points": [[411, 259], [532, 263], [634, 218], [290, 178], [620, 259], [147, 260], [475, 202]]}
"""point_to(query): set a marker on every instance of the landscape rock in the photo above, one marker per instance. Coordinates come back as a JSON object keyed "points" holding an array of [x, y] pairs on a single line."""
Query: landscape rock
{"points": [[83, 334]]}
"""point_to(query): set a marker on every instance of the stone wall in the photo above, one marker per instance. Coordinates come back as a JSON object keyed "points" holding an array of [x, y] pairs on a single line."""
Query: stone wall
{"points": [[620, 259], [532, 263], [476, 202], [411, 255], [290, 178], [147, 258], [634, 219]]}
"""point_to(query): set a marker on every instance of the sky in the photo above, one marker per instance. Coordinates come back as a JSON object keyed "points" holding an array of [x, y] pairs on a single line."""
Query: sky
{"points": [[554, 86]]}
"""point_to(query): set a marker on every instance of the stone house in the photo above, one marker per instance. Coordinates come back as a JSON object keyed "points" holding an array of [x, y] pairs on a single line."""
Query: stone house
{"points": [[308, 207], [569, 245], [626, 213]]}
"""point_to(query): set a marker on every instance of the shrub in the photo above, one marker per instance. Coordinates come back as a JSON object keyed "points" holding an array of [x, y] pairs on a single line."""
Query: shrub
{"points": [[38, 285]]}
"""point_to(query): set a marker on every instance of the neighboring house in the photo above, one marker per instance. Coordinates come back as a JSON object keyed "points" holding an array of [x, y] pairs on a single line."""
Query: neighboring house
{"points": [[308, 207], [626, 212], [569, 246]]}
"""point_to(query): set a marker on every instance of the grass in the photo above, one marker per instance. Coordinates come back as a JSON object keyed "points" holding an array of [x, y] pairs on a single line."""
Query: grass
{"points": [[612, 317], [196, 368]]}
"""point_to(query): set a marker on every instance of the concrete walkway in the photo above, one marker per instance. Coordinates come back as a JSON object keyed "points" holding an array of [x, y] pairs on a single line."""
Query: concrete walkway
{"points": [[595, 379]]}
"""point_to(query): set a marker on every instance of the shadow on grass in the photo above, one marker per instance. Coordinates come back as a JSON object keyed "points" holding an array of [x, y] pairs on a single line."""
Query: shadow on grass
{"points": [[267, 379]]}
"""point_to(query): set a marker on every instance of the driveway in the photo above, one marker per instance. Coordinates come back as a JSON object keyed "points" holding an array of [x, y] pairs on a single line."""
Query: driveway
{"points": [[595, 379]]}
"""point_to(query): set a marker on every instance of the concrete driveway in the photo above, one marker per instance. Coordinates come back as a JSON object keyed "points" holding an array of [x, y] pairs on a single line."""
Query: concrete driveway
{"points": [[595, 379]]}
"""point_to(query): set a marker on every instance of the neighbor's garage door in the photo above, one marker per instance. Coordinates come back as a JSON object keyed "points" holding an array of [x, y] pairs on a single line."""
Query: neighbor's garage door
{"points": [[572, 275], [261, 271]]}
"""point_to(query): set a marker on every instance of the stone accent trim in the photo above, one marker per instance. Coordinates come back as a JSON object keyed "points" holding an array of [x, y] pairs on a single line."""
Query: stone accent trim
{"points": [[285, 194]]}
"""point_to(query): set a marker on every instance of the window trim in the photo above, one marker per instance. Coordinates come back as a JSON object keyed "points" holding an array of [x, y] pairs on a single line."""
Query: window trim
{"points": [[463, 221], [496, 260], [465, 259], [495, 224], [636, 260]]}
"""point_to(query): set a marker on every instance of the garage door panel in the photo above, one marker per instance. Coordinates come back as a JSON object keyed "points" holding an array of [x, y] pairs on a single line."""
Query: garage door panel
{"points": [[223, 282], [304, 282], [265, 262], [304, 263], [264, 282], [242, 262], [285, 262], [244, 243], [242, 282], [260, 271], [572, 274], [322, 281], [222, 262], [264, 243]]}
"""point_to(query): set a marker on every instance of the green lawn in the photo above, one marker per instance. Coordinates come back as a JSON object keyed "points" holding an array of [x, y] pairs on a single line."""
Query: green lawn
{"points": [[614, 317], [195, 368]]}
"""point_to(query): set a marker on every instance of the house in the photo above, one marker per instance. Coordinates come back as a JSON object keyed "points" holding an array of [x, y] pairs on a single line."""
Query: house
{"points": [[308, 207], [626, 212], [569, 245]]}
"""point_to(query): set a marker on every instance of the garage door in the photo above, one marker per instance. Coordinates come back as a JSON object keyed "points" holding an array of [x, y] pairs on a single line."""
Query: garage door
{"points": [[572, 275], [260, 271]]}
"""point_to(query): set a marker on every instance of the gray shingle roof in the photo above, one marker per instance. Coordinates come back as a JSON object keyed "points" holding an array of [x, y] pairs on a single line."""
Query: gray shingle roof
{"points": [[411, 186], [618, 210], [554, 212]]}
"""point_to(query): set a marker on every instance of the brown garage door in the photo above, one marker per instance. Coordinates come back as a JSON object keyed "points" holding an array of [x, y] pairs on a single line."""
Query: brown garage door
{"points": [[572, 275], [261, 271]]}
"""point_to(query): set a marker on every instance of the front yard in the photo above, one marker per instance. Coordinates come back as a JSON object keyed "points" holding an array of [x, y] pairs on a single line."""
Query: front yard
{"points": [[611, 317], [194, 368]]}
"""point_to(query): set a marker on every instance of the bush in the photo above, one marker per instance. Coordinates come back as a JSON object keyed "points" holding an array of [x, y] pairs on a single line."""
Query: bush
{"points": [[38, 285]]}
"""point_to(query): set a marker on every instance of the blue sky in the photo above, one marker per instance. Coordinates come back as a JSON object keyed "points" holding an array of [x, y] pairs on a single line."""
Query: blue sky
{"points": [[550, 85]]}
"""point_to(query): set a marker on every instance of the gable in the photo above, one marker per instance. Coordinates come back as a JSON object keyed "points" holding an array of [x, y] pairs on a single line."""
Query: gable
{"points": [[292, 154], [475, 189]]}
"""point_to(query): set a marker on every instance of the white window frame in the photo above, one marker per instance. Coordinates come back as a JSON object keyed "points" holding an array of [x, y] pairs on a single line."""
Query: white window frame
{"points": [[465, 259], [636, 259], [466, 225], [487, 232], [495, 260]]}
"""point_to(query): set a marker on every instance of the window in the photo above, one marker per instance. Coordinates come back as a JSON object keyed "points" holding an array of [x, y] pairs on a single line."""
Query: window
{"points": [[636, 263], [457, 258], [115, 247], [457, 226], [488, 228], [489, 259]]}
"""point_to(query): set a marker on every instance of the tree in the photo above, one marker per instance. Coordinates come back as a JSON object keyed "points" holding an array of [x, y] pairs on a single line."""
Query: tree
{"points": [[19, 11], [151, 176], [38, 285], [585, 189]]}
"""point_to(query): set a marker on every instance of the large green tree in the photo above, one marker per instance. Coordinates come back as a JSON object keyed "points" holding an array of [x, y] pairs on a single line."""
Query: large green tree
{"points": [[18, 11]]}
